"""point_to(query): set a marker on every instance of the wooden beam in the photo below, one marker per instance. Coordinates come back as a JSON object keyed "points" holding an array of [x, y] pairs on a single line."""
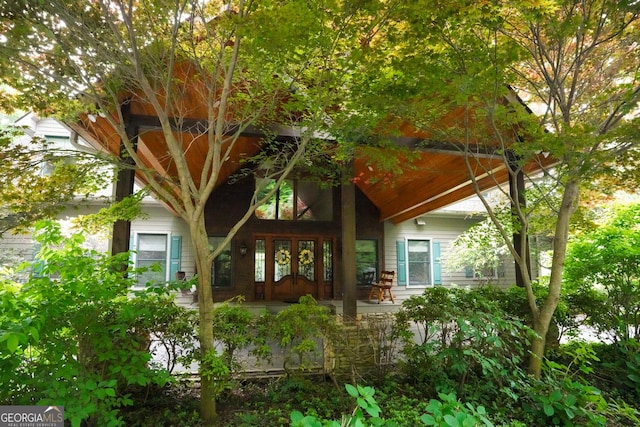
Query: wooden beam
{"points": [[449, 148], [124, 187], [520, 240], [201, 126], [348, 223], [393, 211]]}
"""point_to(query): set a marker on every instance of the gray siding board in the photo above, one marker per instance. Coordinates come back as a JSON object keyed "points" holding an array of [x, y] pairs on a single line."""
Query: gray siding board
{"points": [[443, 229]]}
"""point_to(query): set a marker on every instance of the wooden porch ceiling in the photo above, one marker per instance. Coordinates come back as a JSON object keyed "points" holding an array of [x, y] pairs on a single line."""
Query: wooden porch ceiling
{"points": [[436, 177]]}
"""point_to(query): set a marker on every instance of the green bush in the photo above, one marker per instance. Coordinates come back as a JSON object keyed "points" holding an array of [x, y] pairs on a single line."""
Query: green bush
{"points": [[75, 335], [297, 330], [466, 341], [602, 276]]}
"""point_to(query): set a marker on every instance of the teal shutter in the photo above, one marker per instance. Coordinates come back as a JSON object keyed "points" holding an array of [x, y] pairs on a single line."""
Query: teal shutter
{"points": [[437, 266], [176, 256], [402, 263]]}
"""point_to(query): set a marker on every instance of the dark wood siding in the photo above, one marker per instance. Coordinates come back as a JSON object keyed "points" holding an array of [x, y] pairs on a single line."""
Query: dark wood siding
{"points": [[230, 202]]}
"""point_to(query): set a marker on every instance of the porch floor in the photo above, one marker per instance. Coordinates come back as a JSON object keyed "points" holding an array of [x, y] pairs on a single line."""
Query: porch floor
{"points": [[362, 306]]}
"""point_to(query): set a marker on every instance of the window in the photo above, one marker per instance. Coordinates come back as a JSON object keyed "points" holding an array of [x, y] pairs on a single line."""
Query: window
{"points": [[58, 152], [151, 253], [260, 261], [312, 203], [366, 261], [419, 262], [221, 266], [486, 271], [327, 260]]}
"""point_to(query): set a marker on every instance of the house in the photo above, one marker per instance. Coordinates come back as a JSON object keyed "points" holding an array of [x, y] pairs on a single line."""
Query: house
{"points": [[156, 238], [290, 247]]}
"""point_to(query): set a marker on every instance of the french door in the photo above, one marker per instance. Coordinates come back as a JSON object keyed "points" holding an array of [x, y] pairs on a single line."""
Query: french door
{"points": [[290, 266], [295, 268]]}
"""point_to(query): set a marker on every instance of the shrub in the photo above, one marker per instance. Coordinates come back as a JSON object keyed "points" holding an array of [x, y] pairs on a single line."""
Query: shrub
{"points": [[463, 336], [296, 329], [74, 336], [602, 274]]}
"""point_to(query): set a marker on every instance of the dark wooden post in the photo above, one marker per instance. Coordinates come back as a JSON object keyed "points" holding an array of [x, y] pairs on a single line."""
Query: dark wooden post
{"points": [[348, 214], [520, 240], [124, 187]]}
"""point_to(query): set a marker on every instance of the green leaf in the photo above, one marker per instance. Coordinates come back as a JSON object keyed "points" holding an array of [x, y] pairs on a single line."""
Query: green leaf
{"points": [[569, 413], [374, 411], [428, 420], [548, 410], [12, 343], [555, 396], [633, 377], [451, 421], [570, 400], [296, 417], [353, 392]]}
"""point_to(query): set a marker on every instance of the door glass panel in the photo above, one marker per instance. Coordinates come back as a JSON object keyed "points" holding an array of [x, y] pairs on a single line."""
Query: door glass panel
{"points": [[221, 266], [307, 259], [327, 260], [282, 259], [260, 261]]}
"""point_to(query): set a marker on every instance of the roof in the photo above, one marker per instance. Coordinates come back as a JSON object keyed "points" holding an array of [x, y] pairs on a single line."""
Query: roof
{"points": [[437, 173]]}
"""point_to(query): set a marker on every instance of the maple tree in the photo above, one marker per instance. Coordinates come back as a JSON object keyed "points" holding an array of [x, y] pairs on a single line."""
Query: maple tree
{"points": [[252, 62], [38, 181], [554, 84], [572, 63]]}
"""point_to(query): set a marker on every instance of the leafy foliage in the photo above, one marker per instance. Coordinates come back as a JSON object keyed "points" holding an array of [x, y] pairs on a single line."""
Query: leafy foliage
{"points": [[603, 275], [297, 329], [447, 411], [73, 335], [28, 193], [480, 248], [462, 335], [366, 413]]}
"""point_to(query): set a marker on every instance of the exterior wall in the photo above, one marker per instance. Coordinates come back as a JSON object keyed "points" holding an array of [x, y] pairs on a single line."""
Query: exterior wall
{"points": [[20, 247], [160, 221], [231, 202], [439, 227]]}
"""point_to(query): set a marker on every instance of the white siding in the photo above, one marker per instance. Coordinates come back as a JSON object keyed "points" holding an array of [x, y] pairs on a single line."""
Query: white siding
{"points": [[162, 221], [437, 228], [159, 219]]}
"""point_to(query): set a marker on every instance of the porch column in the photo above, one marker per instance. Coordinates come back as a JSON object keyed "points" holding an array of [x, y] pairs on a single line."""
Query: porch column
{"points": [[124, 187], [348, 216], [520, 240]]}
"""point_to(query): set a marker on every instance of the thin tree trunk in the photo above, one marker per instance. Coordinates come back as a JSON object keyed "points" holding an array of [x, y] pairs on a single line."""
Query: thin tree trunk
{"points": [[198, 231], [542, 319]]}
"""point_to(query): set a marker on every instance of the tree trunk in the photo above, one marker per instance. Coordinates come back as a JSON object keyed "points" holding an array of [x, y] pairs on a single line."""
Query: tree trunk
{"points": [[198, 231], [542, 319]]}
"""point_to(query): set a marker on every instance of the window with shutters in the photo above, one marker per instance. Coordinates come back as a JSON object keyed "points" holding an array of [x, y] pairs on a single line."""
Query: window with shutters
{"points": [[418, 262], [151, 254]]}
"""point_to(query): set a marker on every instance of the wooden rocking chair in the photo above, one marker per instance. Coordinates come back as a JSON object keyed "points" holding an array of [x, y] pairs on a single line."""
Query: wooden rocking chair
{"points": [[382, 288]]}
